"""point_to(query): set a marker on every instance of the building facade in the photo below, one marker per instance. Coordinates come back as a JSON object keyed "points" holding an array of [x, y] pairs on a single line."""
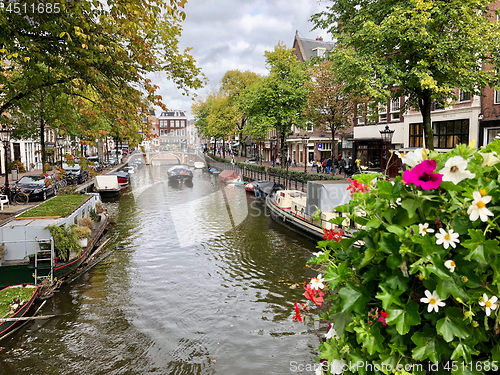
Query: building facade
{"points": [[173, 130]]}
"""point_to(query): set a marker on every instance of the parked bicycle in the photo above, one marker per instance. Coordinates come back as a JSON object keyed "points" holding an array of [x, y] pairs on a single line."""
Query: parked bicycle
{"points": [[15, 195]]}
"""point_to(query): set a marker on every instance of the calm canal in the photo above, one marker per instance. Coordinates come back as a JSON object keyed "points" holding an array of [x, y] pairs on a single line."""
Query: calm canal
{"points": [[201, 282]]}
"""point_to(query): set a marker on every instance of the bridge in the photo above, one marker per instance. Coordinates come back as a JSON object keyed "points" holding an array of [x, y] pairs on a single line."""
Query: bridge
{"points": [[171, 157]]}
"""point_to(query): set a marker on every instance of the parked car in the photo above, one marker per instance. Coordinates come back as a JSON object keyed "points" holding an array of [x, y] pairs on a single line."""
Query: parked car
{"points": [[75, 174], [252, 161], [94, 163], [37, 187]]}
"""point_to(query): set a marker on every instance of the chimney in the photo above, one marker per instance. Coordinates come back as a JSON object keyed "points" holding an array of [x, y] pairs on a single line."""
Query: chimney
{"points": [[320, 38]]}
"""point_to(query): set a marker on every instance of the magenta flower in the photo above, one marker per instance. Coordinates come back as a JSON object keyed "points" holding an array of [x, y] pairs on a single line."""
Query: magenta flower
{"points": [[422, 175]]}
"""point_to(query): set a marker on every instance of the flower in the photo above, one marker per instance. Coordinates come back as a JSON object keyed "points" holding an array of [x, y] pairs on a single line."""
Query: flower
{"points": [[455, 170], [317, 283], [397, 203], [411, 158], [433, 300], [447, 238], [314, 295], [319, 370], [383, 317], [489, 159], [424, 228], [357, 187], [337, 366], [422, 175], [332, 234], [478, 208], [297, 312], [450, 264], [490, 304], [331, 333], [319, 253]]}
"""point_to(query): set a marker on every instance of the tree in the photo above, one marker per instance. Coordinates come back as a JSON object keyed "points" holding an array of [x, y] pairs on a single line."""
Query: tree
{"points": [[277, 101], [423, 50], [234, 84], [328, 103], [100, 52]]}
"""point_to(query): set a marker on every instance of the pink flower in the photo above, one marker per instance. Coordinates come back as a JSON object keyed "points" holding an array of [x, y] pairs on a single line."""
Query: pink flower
{"points": [[382, 318], [422, 175], [310, 293], [297, 312]]}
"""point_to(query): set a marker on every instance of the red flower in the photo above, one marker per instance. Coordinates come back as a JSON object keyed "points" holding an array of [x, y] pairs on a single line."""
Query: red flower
{"points": [[311, 293], [357, 187], [382, 318], [331, 234], [297, 312]]}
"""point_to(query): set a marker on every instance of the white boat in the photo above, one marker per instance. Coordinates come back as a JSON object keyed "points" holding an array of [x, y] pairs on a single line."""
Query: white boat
{"points": [[107, 186], [230, 177], [199, 165], [294, 208]]}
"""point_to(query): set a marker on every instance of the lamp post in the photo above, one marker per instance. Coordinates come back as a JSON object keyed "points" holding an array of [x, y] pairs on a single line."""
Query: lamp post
{"points": [[273, 150], [60, 144], [5, 133], [386, 135], [305, 140]]}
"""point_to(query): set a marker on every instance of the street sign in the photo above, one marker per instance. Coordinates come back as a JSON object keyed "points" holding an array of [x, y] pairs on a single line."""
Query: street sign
{"points": [[320, 146]]}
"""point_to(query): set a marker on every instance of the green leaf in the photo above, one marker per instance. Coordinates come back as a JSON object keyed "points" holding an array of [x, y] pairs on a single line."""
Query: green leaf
{"points": [[480, 248], [353, 299], [404, 318], [398, 282], [369, 254], [330, 351], [453, 286], [411, 206], [428, 345], [370, 338], [453, 325], [396, 229], [464, 351], [373, 223], [389, 296], [340, 321]]}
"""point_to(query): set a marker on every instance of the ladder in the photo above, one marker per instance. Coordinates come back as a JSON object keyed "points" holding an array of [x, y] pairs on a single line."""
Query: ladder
{"points": [[38, 249]]}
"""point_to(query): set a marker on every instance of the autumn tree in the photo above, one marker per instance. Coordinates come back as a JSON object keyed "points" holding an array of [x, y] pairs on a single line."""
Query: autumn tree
{"points": [[106, 49], [423, 50], [234, 84], [277, 101], [328, 104]]}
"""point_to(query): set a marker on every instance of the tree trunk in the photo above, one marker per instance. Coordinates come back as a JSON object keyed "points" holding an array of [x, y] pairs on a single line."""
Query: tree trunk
{"points": [[223, 147], [283, 156], [240, 146], [425, 103], [334, 144]]}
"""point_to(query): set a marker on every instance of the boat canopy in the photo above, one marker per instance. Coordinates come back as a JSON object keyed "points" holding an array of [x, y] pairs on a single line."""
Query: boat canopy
{"points": [[326, 195], [228, 175], [106, 182]]}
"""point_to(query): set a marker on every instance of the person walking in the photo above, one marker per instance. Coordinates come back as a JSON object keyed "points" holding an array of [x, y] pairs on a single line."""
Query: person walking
{"points": [[336, 166], [329, 166], [341, 165], [318, 166]]}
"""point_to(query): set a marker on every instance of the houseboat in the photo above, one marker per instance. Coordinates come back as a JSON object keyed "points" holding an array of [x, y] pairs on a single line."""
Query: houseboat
{"points": [[31, 240]]}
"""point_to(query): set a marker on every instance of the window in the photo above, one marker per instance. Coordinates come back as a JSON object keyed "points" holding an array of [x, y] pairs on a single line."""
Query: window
{"points": [[319, 52], [183, 125], [360, 113], [176, 132], [177, 124], [309, 127], [382, 112], [492, 134], [448, 134], [438, 104], [416, 135], [395, 109], [497, 96], [182, 132], [464, 96]]}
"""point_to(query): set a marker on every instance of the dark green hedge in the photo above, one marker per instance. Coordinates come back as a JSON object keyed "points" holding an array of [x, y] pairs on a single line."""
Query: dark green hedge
{"points": [[303, 176]]}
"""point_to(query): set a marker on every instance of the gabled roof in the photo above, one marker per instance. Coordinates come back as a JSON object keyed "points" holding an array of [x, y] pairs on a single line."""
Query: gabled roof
{"points": [[174, 113], [305, 49]]}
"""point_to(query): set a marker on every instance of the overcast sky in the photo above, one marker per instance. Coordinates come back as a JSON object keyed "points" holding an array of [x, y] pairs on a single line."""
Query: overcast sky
{"points": [[233, 34]]}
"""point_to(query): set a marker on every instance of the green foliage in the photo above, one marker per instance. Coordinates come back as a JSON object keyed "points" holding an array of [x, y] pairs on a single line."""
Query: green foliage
{"points": [[16, 164], [299, 175], [7, 298], [65, 240], [419, 49], [251, 167], [410, 296], [61, 205]]}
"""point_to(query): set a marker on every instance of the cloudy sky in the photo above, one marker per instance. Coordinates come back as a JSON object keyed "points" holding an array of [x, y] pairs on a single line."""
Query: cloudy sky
{"points": [[233, 34]]}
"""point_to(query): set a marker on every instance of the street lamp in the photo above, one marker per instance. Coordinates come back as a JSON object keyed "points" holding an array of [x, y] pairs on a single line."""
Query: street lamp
{"points": [[5, 133], [386, 135], [305, 140], [60, 144], [273, 151]]}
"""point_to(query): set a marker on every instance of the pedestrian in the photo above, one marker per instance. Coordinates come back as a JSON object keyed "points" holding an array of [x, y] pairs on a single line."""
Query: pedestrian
{"points": [[232, 160], [294, 163], [313, 164], [329, 166], [272, 160], [323, 166], [318, 166], [335, 166], [341, 165], [289, 161]]}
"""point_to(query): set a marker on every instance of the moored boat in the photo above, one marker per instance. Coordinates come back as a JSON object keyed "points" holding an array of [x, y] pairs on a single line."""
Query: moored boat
{"points": [[249, 187], [263, 188], [15, 302], [107, 186], [123, 178], [309, 214], [32, 251], [199, 165], [190, 163], [229, 177], [179, 173]]}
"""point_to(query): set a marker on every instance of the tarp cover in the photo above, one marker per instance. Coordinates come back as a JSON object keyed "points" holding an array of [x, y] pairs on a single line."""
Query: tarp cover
{"points": [[326, 195], [228, 175], [107, 182]]}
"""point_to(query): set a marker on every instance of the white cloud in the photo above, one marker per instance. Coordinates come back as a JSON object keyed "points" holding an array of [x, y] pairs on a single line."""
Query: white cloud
{"points": [[233, 34]]}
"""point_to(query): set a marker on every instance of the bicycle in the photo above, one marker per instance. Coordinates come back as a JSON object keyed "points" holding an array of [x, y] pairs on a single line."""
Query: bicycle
{"points": [[15, 195]]}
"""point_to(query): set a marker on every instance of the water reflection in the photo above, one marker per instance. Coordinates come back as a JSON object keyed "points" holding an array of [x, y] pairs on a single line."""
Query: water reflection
{"points": [[200, 285]]}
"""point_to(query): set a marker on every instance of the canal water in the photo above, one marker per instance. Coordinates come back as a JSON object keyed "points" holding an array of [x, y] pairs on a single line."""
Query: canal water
{"points": [[201, 281]]}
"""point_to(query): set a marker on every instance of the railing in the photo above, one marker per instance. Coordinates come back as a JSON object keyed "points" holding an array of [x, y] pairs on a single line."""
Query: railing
{"points": [[288, 182]]}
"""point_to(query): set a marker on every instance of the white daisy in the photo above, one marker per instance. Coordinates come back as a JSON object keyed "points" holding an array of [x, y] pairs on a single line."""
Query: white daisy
{"points": [[331, 333], [490, 304], [337, 366], [447, 238], [317, 282], [433, 300], [455, 170], [411, 158], [319, 253], [424, 228], [478, 208], [489, 159], [450, 264]]}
